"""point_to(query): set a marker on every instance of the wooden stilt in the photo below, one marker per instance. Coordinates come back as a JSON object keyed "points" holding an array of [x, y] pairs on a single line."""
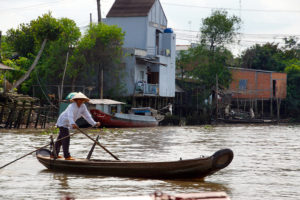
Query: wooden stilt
{"points": [[10, 117], [271, 108], [20, 116], [278, 102], [2, 111], [256, 109], [262, 108], [37, 118], [45, 117], [29, 115]]}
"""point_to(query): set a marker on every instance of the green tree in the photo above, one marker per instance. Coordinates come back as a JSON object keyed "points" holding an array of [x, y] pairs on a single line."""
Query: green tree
{"points": [[207, 65], [42, 29], [100, 49], [209, 61], [265, 57], [219, 29], [20, 65], [53, 62], [293, 89], [291, 49], [201, 65], [183, 63], [21, 40]]}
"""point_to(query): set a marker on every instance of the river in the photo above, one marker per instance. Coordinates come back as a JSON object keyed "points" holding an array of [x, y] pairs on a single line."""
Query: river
{"points": [[265, 164]]}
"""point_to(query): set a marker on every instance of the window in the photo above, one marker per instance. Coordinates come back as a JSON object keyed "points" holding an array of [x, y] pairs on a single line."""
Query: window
{"points": [[243, 84], [113, 109]]}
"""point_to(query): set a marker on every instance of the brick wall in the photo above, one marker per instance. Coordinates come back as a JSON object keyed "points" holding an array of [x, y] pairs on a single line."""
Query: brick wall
{"points": [[259, 84]]}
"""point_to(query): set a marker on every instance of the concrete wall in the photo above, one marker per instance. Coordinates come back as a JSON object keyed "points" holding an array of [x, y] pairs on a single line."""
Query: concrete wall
{"points": [[156, 21], [135, 29], [157, 15], [130, 71], [167, 73]]}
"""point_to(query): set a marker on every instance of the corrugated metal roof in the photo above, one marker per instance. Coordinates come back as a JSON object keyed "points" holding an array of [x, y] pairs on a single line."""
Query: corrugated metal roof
{"points": [[4, 67], [104, 101], [130, 8], [256, 70]]}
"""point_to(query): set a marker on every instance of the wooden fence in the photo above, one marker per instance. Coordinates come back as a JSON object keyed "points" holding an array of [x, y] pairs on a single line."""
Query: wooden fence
{"points": [[26, 113]]}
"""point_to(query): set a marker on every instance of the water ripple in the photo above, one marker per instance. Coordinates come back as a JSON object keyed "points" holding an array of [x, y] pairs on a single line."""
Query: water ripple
{"points": [[265, 165]]}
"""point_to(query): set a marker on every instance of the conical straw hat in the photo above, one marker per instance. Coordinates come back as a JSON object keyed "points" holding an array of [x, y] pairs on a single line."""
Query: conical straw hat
{"points": [[80, 95]]}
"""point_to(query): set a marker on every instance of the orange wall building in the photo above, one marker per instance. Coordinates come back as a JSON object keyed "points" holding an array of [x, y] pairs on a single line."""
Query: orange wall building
{"points": [[257, 84]]}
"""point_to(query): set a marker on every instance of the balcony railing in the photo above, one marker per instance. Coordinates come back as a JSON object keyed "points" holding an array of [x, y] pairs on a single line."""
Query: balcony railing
{"points": [[146, 88], [154, 51]]}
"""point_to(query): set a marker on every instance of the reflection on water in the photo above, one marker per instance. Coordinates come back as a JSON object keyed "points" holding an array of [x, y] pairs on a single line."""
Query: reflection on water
{"points": [[264, 166]]}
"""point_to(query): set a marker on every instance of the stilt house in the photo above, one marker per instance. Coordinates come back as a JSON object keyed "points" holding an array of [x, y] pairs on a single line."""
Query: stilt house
{"points": [[150, 48], [259, 89]]}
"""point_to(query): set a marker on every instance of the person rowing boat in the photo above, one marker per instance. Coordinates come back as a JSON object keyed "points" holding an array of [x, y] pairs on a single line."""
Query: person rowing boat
{"points": [[67, 121]]}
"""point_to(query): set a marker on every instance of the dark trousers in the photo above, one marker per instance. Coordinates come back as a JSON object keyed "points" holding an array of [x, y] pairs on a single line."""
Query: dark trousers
{"points": [[63, 132]]}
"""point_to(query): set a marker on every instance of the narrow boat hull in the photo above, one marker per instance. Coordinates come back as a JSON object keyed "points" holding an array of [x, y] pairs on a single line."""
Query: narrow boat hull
{"points": [[182, 169], [123, 120]]}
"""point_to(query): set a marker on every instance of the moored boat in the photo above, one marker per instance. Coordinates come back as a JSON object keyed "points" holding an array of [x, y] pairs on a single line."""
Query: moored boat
{"points": [[247, 121], [109, 113], [181, 169]]}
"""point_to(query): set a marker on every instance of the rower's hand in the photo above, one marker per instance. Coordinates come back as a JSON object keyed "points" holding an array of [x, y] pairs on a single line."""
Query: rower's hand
{"points": [[74, 126], [98, 124]]}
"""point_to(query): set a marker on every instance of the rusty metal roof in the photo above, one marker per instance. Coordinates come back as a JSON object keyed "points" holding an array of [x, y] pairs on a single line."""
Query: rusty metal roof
{"points": [[130, 8]]}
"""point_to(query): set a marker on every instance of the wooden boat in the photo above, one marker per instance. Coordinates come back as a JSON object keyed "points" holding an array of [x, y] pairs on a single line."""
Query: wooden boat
{"points": [[247, 121], [108, 112], [181, 169]]}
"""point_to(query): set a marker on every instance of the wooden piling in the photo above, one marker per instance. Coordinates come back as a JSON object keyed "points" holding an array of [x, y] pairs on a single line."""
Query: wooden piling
{"points": [[262, 108], [46, 112], [271, 107], [20, 116], [10, 117], [37, 118], [29, 115], [2, 111], [278, 102]]}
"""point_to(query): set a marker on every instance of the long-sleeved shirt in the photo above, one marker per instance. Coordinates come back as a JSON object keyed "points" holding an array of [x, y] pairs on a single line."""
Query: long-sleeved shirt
{"points": [[72, 113]]}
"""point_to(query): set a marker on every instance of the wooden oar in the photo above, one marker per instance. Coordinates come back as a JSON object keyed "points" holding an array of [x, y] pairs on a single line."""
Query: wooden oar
{"points": [[35, 150], [115, 157]]}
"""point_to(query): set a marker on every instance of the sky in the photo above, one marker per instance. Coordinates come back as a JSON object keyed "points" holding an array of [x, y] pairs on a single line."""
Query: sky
{"points": [[262, 20]]}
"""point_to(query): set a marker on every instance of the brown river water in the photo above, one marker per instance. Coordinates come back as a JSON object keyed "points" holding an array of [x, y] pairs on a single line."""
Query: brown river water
{"points": [[265, 166]]}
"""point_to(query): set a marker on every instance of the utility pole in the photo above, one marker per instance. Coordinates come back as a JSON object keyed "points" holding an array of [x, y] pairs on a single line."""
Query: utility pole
{"points": [[63, 78], [101, 66], [99, 11]]}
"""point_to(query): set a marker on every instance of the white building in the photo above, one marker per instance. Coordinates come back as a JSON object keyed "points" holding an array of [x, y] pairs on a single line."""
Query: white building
{"points": [[149, 46]]}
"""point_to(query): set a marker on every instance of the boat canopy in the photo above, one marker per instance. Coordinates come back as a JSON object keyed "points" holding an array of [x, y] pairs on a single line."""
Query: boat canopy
{"points": [[104, 102]]}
